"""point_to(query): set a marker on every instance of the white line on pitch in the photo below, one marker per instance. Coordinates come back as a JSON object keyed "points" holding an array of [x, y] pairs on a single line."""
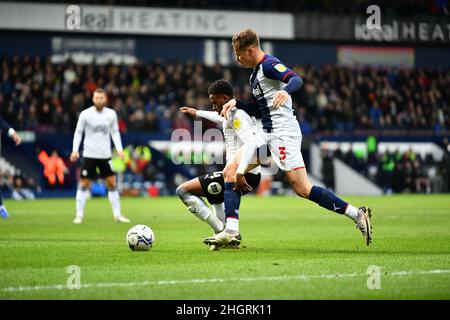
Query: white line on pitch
{"points": [[216, 280]]}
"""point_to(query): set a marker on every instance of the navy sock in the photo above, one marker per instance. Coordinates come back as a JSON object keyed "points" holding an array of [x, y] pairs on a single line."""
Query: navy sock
{"points": [[327, 199], [232, 201]]}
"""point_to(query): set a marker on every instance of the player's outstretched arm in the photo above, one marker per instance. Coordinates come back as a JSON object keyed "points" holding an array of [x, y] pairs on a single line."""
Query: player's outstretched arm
{"points": [[251, 108], [189, 111], [227, 107], [208, 115]]}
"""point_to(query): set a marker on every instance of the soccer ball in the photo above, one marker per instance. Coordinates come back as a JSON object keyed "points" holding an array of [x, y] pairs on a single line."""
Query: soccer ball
{"points": [[140, 238]]}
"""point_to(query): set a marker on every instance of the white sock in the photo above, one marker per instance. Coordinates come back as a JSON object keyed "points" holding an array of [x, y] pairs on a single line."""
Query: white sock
{"points": [[80, 202], [351, 212], [214, 222], [199, 208], [219, 211], [232, 225], [114, 199]]}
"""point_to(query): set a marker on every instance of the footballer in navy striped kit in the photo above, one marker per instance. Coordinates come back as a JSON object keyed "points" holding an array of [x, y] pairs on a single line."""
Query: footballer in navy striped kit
{"points": [[272, 84]]}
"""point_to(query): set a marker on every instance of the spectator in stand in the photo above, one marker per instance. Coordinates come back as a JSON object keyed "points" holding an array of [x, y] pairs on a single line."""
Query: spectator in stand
{"points": [[54, 167], [23, 187], [388, 168], [445, 165], [38, 95], [328, 168], [350, 158], [423, 184]]}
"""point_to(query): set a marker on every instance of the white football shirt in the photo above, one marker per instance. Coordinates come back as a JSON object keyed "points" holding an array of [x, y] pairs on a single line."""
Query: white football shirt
{"points": [[238, 129], [98, 128]]}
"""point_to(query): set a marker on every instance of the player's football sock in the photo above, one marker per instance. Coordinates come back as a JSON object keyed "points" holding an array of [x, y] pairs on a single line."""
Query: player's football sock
{"points": [[232, 225], [81, 201], [232, 202], [214, 223], [3, 212], [327, 199], [352, 212], [114, 199], [219, 211], [199, 208]]}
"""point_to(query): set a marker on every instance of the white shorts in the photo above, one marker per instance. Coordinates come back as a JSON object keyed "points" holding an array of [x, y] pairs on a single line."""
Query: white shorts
{"points": [[285, 150]]}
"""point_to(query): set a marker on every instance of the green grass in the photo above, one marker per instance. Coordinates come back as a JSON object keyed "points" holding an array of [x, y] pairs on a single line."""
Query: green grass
{"points": [[292, 249]]}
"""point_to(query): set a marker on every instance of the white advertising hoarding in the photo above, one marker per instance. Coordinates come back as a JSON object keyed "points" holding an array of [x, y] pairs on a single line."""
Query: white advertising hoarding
{"points": [[139, 20]]}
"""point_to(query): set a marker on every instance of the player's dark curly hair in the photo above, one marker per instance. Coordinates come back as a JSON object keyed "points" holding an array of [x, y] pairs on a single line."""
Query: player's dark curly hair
{"points": [[221, 87]]}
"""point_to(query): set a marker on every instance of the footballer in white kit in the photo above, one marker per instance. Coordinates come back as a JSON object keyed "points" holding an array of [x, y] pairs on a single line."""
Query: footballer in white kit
{"points": [[238, 129], [98, 124]]}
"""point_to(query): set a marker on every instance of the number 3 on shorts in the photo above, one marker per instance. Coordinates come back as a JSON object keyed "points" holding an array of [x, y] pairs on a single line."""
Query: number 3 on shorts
{"points": [[282, 153]]}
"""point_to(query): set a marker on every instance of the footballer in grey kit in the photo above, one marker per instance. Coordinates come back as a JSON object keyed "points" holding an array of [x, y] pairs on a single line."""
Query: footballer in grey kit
{"points": [[238, 130], [98, 124]]}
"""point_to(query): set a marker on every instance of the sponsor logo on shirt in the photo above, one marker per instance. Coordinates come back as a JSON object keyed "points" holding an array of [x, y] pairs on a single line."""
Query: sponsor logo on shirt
{"points": [[101, 128], [236, 123], [280, 68]]}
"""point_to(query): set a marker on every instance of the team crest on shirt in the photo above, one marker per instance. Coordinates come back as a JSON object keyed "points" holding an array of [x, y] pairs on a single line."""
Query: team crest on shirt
{"points": [[236, 123], [280, 68]]}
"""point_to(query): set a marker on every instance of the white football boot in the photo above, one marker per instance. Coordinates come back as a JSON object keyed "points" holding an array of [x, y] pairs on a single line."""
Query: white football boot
{"points": [[78, 220], [122, 219], [363, 223], [223, 239]]}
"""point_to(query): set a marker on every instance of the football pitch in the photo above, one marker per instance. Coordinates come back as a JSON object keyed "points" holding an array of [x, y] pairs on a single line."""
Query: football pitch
{"points": [[291, 249]]}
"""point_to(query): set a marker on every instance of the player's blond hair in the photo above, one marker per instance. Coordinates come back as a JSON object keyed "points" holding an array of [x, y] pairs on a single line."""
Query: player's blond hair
{"points": [[244, 39], [99, 90]]}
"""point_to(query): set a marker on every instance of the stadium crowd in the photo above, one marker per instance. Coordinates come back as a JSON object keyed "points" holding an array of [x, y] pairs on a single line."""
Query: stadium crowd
{"points": [[47, 98], [38, 95], [392, 170]]}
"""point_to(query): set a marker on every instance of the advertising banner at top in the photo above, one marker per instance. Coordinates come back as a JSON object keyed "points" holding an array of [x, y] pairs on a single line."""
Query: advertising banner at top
{"points": [[140, 20], [417, 30]]}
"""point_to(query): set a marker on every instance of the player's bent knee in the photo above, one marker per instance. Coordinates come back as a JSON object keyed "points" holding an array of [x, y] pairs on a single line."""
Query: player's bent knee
{"points": [[85, 184], [181, 191], [229, 175], [111, 183]]}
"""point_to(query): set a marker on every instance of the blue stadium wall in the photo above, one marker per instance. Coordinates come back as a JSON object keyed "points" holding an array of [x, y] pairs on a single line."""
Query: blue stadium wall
{"points": [[187, 48]]}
